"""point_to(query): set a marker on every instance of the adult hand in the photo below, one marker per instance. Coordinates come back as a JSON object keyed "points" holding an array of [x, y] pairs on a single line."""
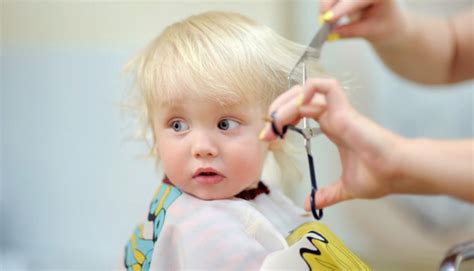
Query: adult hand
{"points": [[379, 21], [366, 150]]}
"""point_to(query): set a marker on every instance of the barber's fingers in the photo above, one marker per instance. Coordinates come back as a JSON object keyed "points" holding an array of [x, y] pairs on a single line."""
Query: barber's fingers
{"points": [[347, 7], [315, 108], [329, 87], [290, 112], [287, 113], [356, 29], [329, 195], [286, 109], [292, 94], [355, 16], [290, 108], [325, 5]]}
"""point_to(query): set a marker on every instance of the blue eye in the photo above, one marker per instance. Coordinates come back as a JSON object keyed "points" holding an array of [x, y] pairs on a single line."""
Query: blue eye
{"points": [[227, 124], [179, 125]]}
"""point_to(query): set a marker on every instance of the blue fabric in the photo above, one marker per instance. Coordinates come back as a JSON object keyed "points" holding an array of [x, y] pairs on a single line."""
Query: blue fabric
{"points": [[139, 251]]}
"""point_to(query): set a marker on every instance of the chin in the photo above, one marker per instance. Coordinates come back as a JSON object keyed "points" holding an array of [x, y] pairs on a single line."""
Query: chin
{"points": [[211, 196]]}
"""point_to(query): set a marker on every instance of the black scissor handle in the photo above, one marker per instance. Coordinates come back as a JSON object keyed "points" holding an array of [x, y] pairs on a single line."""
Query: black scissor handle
{"points": [[274, 127], [317, 213]]}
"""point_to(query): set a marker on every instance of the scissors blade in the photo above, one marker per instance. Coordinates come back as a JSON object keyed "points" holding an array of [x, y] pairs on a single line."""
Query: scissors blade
{"points": [[320, 37], [314, 48], [316, 43]]}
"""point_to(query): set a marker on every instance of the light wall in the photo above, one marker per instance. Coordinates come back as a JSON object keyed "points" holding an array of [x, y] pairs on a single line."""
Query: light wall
{"points": [[74, 185]]}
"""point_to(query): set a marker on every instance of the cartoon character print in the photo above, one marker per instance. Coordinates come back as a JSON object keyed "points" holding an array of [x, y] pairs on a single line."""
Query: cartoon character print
{"points": [[324, 251], [139, 249]]}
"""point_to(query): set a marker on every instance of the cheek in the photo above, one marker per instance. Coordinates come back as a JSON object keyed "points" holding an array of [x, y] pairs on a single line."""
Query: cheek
{"points": [[170, 156], [248, 157]]}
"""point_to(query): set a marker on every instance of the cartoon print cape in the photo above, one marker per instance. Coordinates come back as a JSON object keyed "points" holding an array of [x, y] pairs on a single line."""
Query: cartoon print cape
{"points": [[183, 232]]}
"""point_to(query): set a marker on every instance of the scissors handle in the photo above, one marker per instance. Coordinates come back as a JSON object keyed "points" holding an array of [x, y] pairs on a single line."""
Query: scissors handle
{"points": [[311, 132], [317, 213], [307, 133]]}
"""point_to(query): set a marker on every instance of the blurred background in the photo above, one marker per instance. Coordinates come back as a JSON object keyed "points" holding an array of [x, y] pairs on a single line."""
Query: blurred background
{"points": [[74, 185]]}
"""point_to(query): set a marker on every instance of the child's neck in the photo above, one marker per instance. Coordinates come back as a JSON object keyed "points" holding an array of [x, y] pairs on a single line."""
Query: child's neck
{"points": [[252, 193]]}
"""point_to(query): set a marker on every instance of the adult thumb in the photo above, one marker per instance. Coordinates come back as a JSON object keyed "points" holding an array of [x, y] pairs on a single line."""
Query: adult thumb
{"points": [[327, 196]]}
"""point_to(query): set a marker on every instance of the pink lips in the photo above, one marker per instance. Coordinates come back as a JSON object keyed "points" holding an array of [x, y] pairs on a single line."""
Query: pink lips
{"points": [[208, 176]]}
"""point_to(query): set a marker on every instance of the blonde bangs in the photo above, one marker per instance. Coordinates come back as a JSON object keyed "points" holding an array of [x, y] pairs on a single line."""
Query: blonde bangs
{"points": [[220, 56]]}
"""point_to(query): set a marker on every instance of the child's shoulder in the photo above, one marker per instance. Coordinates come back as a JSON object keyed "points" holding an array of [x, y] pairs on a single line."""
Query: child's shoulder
{"points": [[178, 211], [179, 222], [234, 211], [174, 208]]}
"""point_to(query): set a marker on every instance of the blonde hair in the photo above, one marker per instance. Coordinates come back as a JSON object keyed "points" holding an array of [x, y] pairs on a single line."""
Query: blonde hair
{"points": [[221, 56]]}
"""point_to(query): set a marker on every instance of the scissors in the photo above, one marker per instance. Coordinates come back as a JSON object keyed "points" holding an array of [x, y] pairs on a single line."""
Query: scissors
{"points": [[312, 51]]}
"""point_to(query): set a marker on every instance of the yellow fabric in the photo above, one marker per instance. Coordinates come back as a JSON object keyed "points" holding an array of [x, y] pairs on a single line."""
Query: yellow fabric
{"points": [[160, 205], [328, 252]]}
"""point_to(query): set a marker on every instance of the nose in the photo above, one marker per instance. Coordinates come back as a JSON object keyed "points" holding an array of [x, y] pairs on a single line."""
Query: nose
{"points": [[204, 145]]}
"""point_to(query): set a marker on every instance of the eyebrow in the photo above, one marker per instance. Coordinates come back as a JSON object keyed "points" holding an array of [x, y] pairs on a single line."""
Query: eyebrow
{"points": [[166, 111], [171, 107]]}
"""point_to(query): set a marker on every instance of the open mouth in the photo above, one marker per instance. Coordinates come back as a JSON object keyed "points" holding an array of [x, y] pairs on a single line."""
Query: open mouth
{"points": [[208, 176]]}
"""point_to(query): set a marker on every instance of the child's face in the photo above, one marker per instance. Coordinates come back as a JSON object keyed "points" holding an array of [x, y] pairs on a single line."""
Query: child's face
{"points": [[208, 150]]}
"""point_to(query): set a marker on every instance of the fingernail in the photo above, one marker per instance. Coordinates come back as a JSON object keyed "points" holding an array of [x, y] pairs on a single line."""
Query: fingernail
{"points": [[327, 16], [299, 100], [319, 100], [333, 37], [262, 133]]}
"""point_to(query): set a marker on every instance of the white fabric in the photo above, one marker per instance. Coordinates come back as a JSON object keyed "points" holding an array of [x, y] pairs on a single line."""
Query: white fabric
{"points": [[232, 234]]}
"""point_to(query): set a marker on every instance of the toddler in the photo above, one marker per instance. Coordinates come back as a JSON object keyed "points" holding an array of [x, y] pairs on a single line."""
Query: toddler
{"points": [[204, 86]]}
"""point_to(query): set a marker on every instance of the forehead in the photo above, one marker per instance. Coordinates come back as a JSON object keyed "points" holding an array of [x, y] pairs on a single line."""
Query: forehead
{"points": [[212, 104], [224, 96], [204, 109]]}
